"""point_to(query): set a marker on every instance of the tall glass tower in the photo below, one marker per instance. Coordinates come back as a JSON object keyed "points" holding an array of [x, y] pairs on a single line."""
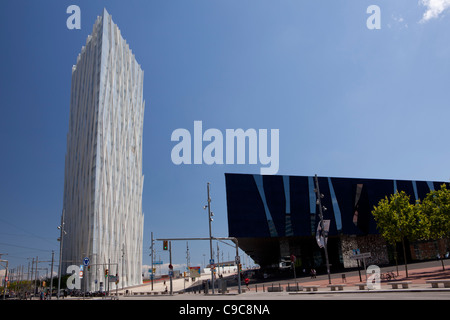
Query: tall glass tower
{"points": [[103, 167]]}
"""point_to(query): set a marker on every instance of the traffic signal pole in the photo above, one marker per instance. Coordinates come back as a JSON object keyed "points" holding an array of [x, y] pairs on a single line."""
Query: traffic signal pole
{"points": [[235, 240], [171, 269]]}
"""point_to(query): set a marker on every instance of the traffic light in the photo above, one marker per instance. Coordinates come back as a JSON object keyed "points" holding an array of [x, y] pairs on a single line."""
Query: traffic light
{"points": [[165, 245]]}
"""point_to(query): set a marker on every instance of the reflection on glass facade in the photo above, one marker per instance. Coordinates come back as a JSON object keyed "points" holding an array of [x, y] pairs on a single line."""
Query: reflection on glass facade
{"points": [[266, 200], [276, 216]]}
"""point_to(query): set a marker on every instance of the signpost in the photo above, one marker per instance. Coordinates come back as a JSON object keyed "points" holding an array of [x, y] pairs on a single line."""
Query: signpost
{"points": [[293, 259], [363, 257]]}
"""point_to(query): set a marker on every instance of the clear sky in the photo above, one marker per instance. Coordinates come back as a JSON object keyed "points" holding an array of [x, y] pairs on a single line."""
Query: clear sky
{"points": [[348, 101]]}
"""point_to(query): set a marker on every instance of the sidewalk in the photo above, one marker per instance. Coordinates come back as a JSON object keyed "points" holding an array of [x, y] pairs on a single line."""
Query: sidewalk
{"points": [[417, 277], [159, 286]]}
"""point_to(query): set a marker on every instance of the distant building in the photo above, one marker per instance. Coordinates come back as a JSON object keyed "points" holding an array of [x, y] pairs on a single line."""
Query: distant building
{"points": [[274, 217], [103, 167]]}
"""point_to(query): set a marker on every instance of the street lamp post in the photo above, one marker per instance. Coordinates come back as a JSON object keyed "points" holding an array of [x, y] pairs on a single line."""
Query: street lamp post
{"points": [[325, 235]]}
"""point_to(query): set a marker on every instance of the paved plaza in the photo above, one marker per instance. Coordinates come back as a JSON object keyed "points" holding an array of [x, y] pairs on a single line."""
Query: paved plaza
{"points": [[418, 288]]}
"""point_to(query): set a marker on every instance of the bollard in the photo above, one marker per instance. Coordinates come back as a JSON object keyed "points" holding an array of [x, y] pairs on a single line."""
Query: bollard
{"points": [[256, 287]]}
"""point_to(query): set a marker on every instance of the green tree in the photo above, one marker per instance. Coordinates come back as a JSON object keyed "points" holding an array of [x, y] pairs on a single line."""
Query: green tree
{"points": [[436, 207], [397, 219]]}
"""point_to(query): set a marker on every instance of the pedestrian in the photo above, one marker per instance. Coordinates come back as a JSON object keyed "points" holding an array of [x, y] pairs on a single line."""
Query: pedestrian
{"points": [[313, 273], [247, 282]]}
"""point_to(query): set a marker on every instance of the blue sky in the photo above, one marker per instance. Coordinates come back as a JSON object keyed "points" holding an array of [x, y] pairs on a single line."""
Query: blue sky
{"points": [[348, 101]]}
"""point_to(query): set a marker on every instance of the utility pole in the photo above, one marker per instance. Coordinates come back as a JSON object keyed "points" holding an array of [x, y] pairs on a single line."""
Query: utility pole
{"points": [[218, 261], [210, 239], [6, 275], [35, 275], [31, 278], [152, 254], [238, 261], [61, 237], [188, 256], [51, 275], [187, 264], [109, 270], [123, 275], [28, 270], [325, 233]]}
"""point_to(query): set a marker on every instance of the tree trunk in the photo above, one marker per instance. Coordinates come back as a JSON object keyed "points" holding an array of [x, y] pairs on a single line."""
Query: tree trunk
{"points": [[396, 257], [404, 256], [439, 255]]}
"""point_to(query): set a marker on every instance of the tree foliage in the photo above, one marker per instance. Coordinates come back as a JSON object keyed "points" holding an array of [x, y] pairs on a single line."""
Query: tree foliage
{"points": [[436, 207], [397, 219]]}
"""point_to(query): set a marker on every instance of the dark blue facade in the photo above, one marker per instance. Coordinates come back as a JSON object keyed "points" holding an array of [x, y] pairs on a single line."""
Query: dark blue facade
{"points": [[285, 206]]}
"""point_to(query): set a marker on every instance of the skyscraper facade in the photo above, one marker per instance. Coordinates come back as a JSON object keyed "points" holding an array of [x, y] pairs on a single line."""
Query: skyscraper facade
{"points": [[103, 183]]}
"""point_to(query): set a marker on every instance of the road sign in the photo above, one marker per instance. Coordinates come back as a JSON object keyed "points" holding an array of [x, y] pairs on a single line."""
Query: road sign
{"points": [[86, 261], [170, 266], [158, 262], [211, 261], [360, 256], [238, 259], [194, 272]]}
